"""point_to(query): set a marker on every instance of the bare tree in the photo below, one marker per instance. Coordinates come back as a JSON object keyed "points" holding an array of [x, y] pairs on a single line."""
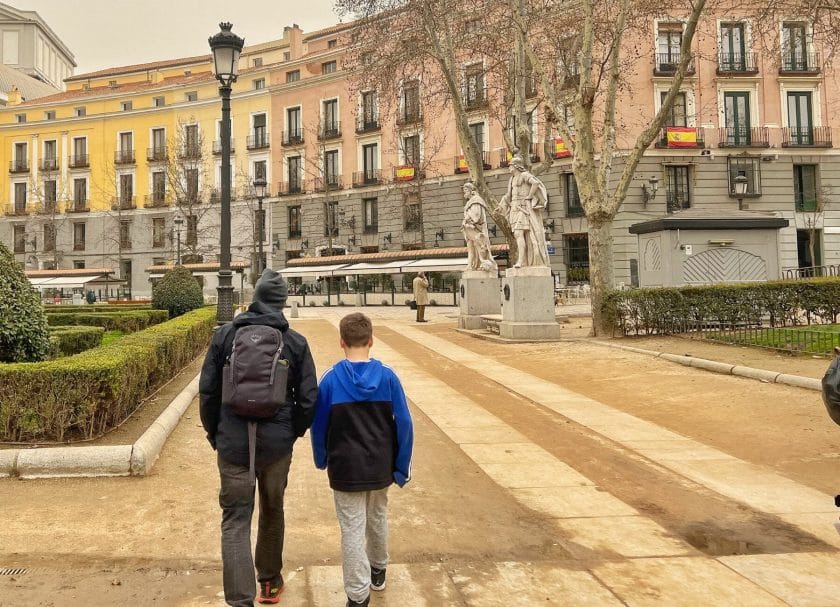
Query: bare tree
{"points": [[51, 198]]}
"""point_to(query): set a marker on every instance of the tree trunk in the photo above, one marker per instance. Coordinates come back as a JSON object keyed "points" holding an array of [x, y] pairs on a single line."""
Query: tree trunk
{"points": [[601, 275]]}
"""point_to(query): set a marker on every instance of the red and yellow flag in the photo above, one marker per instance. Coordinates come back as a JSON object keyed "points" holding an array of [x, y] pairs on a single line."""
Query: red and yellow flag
{"points": [[404, 173], [461, 164], [681, 137], [560, 150]]}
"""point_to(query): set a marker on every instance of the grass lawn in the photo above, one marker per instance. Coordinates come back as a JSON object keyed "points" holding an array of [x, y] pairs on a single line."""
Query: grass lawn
{"points": [[811, 339]]}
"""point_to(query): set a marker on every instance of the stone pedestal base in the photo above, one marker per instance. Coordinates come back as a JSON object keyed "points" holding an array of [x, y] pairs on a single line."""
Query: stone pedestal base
{"points": [[479, 296], [528, 304]]}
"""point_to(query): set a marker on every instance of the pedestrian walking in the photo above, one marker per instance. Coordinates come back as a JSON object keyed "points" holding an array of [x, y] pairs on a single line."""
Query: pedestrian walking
{"points": [[420, 286], [363, 436], [256, 453]]}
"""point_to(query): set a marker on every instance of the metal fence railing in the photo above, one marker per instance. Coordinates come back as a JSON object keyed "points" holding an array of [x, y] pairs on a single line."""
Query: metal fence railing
{"points": [[784, 339]]}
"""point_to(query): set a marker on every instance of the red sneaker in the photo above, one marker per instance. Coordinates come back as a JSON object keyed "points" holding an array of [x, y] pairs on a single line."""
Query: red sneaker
{"points": [[270, 591]]}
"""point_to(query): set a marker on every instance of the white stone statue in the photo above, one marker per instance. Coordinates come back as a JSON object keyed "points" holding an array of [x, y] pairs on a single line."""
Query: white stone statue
{"points": [[475, 231], [524, 203]]}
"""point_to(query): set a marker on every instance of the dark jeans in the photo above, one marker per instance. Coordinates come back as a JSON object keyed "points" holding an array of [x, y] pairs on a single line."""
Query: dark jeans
{"points": [[236, 498], [421, 310]]}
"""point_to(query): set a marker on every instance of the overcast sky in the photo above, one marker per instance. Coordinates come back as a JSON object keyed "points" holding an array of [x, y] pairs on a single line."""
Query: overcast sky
{"points": [[108, 33]]}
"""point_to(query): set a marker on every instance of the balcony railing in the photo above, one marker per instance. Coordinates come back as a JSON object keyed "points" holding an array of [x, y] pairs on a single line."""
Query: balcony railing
{"points": [[476, 101], [737, 63], [78, 206], [744, 137], [287, 188], [155, 201], [806, 136], [49, 164], [324, 184], [408, 172], [49, 207], [666, 64], [19, 166], [805, 203], [367, 177], [409, 116], [258, 141], [461, 163], [157, 154], [796, 62], [79, 161], [329, 130], [677, 200], [190, 151], [124, 157], [17, 209], [366, 124], [677, 137], [123, 203], [217, 146], [292, 137]]}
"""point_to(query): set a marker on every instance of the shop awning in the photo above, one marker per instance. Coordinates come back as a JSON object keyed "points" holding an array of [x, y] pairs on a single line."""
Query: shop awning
{"points": [[436, 265], [311, 270], [71, 282], [387, 267]]}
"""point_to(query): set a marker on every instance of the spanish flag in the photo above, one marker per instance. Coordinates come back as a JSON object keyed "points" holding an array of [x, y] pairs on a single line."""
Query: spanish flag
{"points": [[560, 150], [461, 165], [404, 173], [681, 137]]}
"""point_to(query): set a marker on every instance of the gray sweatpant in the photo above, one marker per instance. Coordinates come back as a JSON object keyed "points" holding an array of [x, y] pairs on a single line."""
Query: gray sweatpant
{"points": [[363, 518]]}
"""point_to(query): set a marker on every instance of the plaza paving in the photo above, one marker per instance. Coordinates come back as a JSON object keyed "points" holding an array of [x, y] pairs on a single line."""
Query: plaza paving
{"points": [[543, 475]]}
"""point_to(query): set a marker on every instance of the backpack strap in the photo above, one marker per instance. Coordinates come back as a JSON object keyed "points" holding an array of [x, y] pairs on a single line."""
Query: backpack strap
{"points": [[252, 451]]}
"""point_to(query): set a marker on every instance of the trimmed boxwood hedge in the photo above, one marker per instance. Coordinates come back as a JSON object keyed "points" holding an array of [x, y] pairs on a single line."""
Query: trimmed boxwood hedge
{"points": [[86, 394], [64, 308], [127, 322], [678, 309], [69, 340]]}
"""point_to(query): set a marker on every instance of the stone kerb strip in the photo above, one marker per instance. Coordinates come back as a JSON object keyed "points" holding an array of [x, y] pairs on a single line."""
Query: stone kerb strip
{"points": [[117, 460]]}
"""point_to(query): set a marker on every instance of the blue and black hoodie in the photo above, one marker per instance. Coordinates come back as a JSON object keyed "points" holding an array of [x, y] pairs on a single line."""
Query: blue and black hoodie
{"points": [[362, 432]]}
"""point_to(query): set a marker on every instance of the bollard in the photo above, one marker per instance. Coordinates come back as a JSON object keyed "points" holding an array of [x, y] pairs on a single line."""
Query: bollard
{"points": [[294, 309]]}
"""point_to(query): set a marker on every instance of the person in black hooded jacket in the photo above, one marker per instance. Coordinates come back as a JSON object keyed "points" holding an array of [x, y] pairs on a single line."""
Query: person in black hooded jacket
{"points": [[228, 435]]}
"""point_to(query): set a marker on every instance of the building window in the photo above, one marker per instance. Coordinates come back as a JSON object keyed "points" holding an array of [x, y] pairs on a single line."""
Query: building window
{"points": [[736, 107], [50, 161], [412, 213], [571, 195], [125, 234], [20, 198], [678, 114], [78, 264], [294, 222], [192, 96], [259, 225], [159, 101], [287, 55], [370, 162], [112, 84], [258, 61], [191, 181], [800, 118], [50, 196], [294, 171], [126, 106], [260, 132], [80, 112], [677, 195], [411, 150], [294, 125], [370, 111], [20, 118], [370, 208], [49, 237], [260, 170], [78, 237], [192, 230], [332, 43], [192, 148], [293, 76], [158, 187], [158, 232], [49, 115], [21, 161], [805, 187], [795, 48], [477, 130], [20, 239], [733, 56], [809, 248], [330, 126], [474, 86], [410, 101], [80, 155], [328, 67], [331, 218], [259, 84], [668, 43], [576, 250], [80, 193], [331, 171], [749, 167]]}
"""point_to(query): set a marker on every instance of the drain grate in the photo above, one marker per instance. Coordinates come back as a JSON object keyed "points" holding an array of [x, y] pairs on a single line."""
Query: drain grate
{"points": [[13, 570]]}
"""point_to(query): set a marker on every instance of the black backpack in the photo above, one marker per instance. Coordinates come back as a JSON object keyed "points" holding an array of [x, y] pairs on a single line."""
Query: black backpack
{"points": [[831, 388], [254, 379]]}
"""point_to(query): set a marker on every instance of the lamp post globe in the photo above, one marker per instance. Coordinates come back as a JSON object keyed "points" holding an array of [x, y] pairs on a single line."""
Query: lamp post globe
{"points": [[226, 47], [260, 186], [740, 183]]}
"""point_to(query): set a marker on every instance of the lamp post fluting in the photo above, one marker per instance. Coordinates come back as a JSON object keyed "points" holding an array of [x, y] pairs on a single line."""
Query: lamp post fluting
{"points": [[226, 47], [260, 185]]}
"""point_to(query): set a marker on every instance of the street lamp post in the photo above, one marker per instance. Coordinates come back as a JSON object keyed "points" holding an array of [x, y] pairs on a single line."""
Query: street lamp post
{"points": [[259, 189], [226, 47], [178, 221], [741, 182]]}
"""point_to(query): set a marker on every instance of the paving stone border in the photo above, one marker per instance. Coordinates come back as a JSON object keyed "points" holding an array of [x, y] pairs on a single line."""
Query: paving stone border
{"points": [[773, 377], [115, 460]]}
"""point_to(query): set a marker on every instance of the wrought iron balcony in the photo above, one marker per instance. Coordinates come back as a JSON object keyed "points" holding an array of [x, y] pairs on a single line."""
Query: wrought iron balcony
{"points": [[217, 146], [49, 207], [681, 137], [79, 161], [157, 154], [408, 172], [329, 130], [329, 183], [409, 115], [461, 163], [49, 164], [806, 136], [19, 166], [744, 137], [476, 101], [79, 206], [156, 200], [737, 63], [799, 63], [367, 177], [368, 124], [804, 203], [18, 209], [124, 157], [666, 64], [190, 151], [287, 188], [123, 203], [294, 137], [677, 199], [258, 140]]}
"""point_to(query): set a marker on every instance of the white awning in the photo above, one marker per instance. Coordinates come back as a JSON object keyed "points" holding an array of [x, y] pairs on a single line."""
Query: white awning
{"points": [[311, 270], [388, 267], [71, 282], [39, 280], [436, 265]]}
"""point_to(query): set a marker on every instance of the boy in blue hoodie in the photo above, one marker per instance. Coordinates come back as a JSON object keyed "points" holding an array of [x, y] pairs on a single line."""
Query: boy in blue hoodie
{"points": [[363, 435]]}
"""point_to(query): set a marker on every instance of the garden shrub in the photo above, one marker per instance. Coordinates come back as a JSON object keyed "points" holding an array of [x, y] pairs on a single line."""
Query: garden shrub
{"points": [[177, 292], [88, 393], [24, 336], [127, 322], [69, 340], [65, 308]]}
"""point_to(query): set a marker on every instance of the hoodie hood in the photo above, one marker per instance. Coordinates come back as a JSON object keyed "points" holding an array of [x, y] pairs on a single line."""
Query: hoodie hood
{"points": [[359, 379], [261, 314]]}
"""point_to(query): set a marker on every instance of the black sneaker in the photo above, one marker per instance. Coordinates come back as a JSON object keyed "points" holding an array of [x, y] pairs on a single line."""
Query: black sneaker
{"points": [[377, 579], [352, 603]]}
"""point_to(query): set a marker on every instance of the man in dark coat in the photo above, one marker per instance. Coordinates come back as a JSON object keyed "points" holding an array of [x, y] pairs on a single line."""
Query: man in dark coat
{"points": [[228, 435]]}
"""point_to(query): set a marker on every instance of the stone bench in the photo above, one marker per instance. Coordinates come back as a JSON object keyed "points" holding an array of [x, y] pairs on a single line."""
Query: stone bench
{"points": [[491, 322]]}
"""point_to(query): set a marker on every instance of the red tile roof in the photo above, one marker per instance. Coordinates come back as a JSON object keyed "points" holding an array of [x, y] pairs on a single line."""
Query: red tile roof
{"points": [[67, 272], [200, 267], [140, 67]]}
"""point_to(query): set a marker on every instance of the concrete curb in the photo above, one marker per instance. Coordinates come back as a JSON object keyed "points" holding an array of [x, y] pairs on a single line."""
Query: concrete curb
{"points": [[116, 460], [773, 377]]}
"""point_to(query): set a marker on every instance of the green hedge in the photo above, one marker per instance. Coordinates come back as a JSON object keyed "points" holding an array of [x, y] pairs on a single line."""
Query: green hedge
{"points": [[63, 309], [127, 322], [86, 394], [679, 309], [69, 340]]}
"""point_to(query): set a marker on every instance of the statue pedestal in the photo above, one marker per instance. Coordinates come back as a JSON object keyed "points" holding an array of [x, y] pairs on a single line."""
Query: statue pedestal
{"points": [[528, 304], [479, 296]]}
